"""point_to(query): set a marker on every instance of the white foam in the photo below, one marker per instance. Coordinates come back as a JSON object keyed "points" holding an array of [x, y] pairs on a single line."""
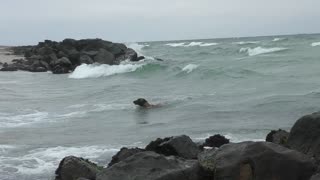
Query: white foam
{"points": [[97, 70], [259, 50], [13, 120], [176, 44], [246, 42], [190, 67], [46, 160], [315, 44], [278, 39], [191, 44]]}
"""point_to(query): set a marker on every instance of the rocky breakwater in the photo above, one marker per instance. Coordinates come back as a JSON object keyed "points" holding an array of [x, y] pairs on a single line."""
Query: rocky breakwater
{"points": [[64, 57], [287, 156]]}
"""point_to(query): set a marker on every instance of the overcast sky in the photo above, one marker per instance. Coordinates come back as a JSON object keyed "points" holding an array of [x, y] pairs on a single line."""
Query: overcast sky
{"points": [[30, 21]]}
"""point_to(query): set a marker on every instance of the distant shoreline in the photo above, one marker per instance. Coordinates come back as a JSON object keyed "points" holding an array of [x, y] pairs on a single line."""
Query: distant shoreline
{"points": [[6, 55]]}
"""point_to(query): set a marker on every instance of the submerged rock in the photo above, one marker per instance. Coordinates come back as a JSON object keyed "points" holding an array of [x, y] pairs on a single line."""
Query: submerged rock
{"points": [[278, 137], [151, 166], [72, 168], [256, 160], [181, 146], [305, 135]]}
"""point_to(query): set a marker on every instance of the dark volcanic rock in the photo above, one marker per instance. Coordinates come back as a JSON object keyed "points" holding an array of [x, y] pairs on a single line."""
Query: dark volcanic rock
{"points": [[140, 58], [305, 135], [85, 59], [257, 160], [104, 57], [181, 146], [216, 141], [123, 154], [76, 51], [72, 168], [151, 166], [278, 137], [315, 177], [131, 55]]}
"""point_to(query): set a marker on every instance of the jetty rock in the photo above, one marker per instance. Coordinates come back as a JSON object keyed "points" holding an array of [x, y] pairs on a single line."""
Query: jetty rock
{"points": [[63, 57]]}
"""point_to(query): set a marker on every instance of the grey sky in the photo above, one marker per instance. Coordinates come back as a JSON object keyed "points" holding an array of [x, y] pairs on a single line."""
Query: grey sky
{"points": [[30, 21]]}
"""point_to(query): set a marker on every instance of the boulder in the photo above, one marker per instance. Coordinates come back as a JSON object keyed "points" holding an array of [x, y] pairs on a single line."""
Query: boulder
{"points": [[315, 177], [85, 59], [216, 141], [305, 135], [151, 166], [104, 57], [72, 168], [131, 55], [181, 146], [140, 58], [256, 160], [58, 69], [278, 137], [123, 154], [9, 68]]}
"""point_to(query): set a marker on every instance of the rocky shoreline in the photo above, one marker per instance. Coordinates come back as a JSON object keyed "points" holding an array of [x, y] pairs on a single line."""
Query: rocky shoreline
{"points": [[64, 57], [285, 155]]}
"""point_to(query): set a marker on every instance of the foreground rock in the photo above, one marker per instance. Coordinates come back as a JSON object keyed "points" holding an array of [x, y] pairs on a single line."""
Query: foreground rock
{"points": [[64, 57], [151, 166], [123, 154], [256, 160], [278, 137], [305, 135], [72, 168], [181, 146], [215, 141]]}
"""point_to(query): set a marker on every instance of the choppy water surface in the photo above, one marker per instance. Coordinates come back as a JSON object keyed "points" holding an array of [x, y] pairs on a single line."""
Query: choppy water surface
{"points": [[239, 87]]}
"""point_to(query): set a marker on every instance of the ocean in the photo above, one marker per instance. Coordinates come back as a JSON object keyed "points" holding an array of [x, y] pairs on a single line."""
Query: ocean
{"points": [[238, 87]]}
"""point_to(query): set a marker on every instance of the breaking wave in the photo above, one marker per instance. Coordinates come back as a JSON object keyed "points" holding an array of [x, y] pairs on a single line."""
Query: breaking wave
{"points": [[97, 70], [46, 160], [259, 50], [190, 67], [278, 39], [246, 42], [191, 44], [315, 44]]}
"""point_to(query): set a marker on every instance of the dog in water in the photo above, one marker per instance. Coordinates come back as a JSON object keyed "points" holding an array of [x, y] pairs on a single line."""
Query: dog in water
{"points": [[144, 103]]}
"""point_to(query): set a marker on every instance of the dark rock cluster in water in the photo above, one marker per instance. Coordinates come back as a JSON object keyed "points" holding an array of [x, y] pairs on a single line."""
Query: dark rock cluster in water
{"points": [[287, 156], [64, 57]]}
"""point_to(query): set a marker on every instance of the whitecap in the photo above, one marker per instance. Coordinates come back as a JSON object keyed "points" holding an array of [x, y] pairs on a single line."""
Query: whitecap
{"points": [[259, 50], [101, 70], [278, 39], [15, 120], [315, 44], [176, 44], [190, 67], [246, 42], [192, 44]]}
